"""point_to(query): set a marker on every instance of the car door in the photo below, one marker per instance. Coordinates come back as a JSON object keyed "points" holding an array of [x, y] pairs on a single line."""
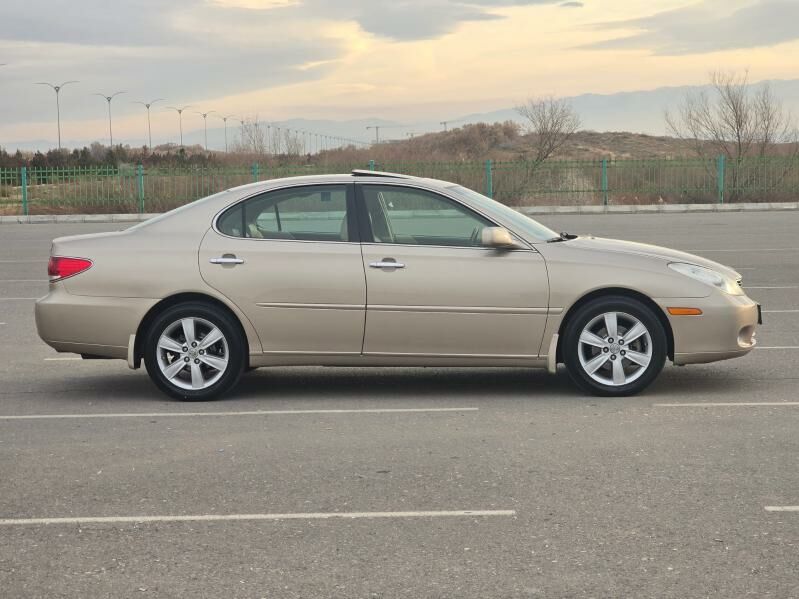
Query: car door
{"points": [[433, 290], [291, 260]]}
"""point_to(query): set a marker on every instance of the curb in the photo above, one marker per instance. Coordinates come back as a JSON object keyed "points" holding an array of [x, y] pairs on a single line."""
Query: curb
{"points": [[532, 210]]}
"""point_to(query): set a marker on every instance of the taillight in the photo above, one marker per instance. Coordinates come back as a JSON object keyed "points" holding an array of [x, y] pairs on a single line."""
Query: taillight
{"points": [[61, 267]]}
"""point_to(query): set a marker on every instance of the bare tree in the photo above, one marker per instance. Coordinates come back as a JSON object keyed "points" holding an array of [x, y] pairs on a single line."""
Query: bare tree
{"points": [[735, 119], [739, 121], [551, 121], [253, 138]]}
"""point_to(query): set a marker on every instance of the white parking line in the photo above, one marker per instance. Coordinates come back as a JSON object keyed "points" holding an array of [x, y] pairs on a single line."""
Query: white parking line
{"points": [[725, 404], [782, 508], [24, 280], [250, 517], [777, 347], [241, 413], [63, 359], [742, 250]]}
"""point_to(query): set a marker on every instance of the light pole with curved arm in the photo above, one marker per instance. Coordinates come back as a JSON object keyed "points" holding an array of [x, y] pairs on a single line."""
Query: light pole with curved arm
{"points": [[205, 125], [57, 90], [180, 119], [149, 129], [108, 99]]}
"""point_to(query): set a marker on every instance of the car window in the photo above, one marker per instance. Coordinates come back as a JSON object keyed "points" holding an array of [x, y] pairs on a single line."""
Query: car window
{"points": [[312, 213], [419, 217]]}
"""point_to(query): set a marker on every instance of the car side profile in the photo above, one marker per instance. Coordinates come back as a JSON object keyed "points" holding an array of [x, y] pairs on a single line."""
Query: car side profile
{"points": [[379, 269]]}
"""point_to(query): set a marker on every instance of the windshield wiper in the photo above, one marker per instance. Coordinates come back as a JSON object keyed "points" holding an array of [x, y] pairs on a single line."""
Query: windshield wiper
{"points": [[562, 237]]}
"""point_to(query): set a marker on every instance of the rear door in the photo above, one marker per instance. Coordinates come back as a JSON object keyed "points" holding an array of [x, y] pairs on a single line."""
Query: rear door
{"points": [[291, 260], [433, 290]]}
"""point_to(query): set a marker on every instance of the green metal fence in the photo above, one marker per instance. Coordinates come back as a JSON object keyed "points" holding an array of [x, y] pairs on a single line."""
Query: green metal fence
{"points": [[135, 188]]}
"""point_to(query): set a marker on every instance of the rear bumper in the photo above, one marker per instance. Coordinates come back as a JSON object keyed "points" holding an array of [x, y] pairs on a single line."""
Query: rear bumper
{"points": [[725, 329], [100, 326]]}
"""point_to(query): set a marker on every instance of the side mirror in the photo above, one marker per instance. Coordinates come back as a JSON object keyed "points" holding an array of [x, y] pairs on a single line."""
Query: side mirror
{"points": [[497, 237]]}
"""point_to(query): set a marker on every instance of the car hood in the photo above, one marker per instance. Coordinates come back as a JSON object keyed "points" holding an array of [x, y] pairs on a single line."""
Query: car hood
{"points": [[599, 244]]}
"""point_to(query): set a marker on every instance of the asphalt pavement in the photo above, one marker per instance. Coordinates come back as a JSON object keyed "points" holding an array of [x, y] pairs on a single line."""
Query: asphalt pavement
{"points": [[418, 483]]}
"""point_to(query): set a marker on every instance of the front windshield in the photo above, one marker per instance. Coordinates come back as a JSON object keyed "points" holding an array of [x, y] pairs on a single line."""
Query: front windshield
{"points": [[523, 224]]}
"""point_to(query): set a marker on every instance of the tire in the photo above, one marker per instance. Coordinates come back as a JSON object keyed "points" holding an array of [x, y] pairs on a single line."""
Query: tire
{"points": [[211, 367], [626, 369]]}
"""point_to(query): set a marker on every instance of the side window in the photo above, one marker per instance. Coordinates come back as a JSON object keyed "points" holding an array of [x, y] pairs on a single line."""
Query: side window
{"points": [[415, 216], [312, 213]]}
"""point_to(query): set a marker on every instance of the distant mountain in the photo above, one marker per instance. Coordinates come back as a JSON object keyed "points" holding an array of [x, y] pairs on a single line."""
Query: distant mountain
{"points": [[635, 111]]}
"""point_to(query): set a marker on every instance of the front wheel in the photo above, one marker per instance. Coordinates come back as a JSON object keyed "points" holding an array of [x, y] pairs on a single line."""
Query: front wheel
{"points": [[194, 352], [614, 346]]}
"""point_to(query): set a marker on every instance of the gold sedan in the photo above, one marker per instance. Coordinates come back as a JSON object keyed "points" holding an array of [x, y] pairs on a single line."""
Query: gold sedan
{"points": [[378, 269]]}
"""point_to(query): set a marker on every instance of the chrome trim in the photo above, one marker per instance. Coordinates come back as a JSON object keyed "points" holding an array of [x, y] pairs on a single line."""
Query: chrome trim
{"points": [[292, 305], [458, 309], [226, 260], [386, 265]]}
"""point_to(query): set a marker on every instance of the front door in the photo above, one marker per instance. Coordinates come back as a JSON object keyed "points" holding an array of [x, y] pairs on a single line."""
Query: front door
{"points": [[291, 261], [433, 290]]}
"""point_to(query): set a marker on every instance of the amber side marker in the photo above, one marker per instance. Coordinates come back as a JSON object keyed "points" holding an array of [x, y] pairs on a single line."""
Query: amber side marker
{"points": [[685, 311]]}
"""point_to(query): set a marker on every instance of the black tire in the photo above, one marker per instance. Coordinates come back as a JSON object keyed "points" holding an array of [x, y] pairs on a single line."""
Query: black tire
{"points": [[585, 315], [236, 351]]}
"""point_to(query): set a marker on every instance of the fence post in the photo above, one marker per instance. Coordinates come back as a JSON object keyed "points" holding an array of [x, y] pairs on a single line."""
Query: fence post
{"points": [[489, 191], [371, 165], [605, 181], [254, 170], [720, 175], [140, 186], [24, 182]]}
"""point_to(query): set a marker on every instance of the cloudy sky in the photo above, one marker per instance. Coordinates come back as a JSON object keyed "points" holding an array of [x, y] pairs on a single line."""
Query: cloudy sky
{"points": [[346, 59]]}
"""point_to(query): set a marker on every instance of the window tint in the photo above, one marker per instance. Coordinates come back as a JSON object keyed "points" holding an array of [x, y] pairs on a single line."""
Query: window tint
{"points": [[313, 213], [414, 216]]}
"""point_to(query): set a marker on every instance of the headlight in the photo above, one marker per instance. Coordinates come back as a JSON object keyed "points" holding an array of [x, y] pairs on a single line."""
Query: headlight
{"points": [[708, 277]]}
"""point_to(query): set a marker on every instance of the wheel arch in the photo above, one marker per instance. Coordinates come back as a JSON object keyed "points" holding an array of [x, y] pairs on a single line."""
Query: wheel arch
{"points": [[181, 298], [618, 292]]}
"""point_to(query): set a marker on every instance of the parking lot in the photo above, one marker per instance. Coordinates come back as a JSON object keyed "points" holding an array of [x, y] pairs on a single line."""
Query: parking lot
{"points": [[320, 482]]}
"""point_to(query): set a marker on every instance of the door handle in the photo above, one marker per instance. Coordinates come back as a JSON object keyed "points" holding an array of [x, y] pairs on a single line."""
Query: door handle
{"points": [[227, 260], [386, 264]]}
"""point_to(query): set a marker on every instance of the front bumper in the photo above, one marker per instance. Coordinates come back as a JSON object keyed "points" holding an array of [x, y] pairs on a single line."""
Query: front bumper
{"points": [[724, 330], [84, 324]]}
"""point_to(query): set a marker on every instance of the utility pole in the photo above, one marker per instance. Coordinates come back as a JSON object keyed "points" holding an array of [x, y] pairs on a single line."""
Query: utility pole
{"points": [[108, 99], [445, 123], [149, 129], [377, 132], [180, 119], [57, 89]]}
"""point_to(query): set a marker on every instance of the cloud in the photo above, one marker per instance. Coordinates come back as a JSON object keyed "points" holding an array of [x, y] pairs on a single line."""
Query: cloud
{"points": [[710, 26], [571, 5]]}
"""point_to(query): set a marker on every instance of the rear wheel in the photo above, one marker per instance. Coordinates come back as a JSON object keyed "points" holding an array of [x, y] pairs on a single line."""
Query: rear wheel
{"points": [[614, 346], [194, 352]]}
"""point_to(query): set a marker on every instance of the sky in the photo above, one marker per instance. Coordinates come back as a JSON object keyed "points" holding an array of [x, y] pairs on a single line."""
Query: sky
{"points": [[406, 60]]}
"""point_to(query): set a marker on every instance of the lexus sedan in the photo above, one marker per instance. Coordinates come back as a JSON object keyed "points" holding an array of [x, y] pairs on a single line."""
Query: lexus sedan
{"points": [[380, 269]]}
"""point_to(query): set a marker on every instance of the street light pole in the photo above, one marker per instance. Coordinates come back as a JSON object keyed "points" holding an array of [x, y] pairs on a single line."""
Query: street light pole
{"points": [[149, 129], [205, 125], [57, 90], [224, 120], [108, 99], [180, 119]]}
